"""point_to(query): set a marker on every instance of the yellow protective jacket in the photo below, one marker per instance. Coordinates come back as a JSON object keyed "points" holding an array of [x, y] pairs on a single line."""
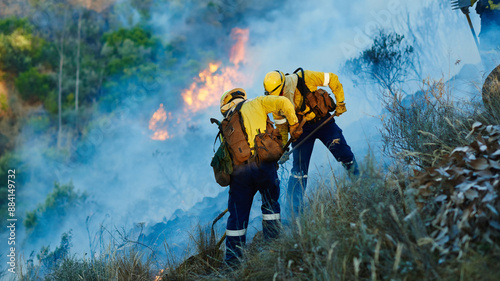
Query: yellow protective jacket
{"points": [[492, 4], [313, 80], [254, 113]]}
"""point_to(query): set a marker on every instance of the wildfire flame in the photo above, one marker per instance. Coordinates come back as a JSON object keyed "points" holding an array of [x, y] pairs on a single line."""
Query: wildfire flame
{"points": [[207, 88], [159, 276], [157, 124]]}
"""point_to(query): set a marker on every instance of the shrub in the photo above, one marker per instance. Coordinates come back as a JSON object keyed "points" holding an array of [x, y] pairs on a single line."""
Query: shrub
{"points": [[62, 199], [19, 48], [460, 195], [388, 62], [33, 85], [422, 128]]}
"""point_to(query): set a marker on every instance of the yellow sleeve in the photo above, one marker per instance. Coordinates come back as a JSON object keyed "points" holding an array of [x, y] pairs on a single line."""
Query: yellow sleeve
{"points": [[279, 106], [315, 79], [472, 2]]}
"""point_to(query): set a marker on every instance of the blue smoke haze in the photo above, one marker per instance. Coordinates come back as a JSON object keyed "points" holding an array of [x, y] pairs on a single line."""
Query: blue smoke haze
{"points": [[131, 179]]}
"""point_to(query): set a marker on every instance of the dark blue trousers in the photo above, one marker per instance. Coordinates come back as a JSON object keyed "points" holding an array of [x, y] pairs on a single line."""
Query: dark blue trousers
{"points": [[246, 180], [331, 136]]}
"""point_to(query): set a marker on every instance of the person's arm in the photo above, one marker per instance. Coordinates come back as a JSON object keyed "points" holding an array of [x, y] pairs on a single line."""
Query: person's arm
{"points": [[315, 79], [280, 106]]}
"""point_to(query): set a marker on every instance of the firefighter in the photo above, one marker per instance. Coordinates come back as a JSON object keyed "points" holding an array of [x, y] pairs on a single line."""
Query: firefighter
{"points": [[278, 84], [489, 11], [253, 175]]}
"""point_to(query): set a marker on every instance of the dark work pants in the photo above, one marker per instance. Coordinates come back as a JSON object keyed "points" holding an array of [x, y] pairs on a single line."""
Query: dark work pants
{"points": [[246, 180], [331, 136]]}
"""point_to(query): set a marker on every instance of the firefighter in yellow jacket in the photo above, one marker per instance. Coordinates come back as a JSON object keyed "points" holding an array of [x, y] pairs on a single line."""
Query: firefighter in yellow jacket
{"points": [[489, 11], [293, 87], [253, 175]]}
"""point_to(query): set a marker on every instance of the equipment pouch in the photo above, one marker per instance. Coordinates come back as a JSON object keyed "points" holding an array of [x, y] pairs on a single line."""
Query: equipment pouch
{"points": [[268, 145], [222, 165], [320, 102]]}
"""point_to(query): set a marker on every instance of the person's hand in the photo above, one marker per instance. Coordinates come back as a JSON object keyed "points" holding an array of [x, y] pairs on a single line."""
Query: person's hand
{"points": [[295, 131], [340, 108], [465, 10]]}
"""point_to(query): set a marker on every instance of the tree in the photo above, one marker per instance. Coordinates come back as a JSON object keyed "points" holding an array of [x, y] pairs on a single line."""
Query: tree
{"points": [[20, 49], [33, 85], [387, 62]]}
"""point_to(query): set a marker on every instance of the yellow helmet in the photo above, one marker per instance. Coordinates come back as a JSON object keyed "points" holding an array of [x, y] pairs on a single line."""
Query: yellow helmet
{"points": [[231, 98], [274, 82]]}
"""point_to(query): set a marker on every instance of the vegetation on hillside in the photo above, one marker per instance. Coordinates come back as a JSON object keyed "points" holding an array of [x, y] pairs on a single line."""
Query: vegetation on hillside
{"points": [[431, 213], [61, 65]]}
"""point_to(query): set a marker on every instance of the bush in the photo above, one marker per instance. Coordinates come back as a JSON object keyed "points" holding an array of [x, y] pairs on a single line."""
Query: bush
{"points": [[460, 196], [388, 62], [33, 85], [58, 203], [19, 48]]}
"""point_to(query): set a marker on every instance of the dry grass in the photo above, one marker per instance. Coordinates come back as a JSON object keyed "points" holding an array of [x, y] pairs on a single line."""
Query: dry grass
{"points": [[128, 266], [368, 228], [422, 129]]}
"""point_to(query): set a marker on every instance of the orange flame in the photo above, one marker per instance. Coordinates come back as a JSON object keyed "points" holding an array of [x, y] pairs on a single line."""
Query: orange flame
{"points": [[207, 88], [159, 276], [238, 49], [157, 124]]}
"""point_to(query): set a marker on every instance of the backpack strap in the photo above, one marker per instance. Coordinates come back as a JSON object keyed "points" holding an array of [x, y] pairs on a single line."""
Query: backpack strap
{"points": [[301, 86], [237, 109]]}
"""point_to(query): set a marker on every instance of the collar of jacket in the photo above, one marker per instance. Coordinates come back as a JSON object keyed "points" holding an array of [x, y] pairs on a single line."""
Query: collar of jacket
{"points": [[290, 86]]}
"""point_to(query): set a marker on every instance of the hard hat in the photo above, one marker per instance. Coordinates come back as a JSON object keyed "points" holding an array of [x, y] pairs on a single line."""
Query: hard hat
{"points": [[274, 82], [231, 98]]}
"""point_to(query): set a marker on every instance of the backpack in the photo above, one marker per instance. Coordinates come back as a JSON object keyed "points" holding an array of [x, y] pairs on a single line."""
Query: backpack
{"points": [[233, 131], [222, 163], [267, 144], [319, 101], [233, 148]]}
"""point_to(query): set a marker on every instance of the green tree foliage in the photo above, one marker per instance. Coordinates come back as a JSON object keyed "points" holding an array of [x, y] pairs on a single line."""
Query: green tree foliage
{"points": [[19, 47], [132, 57], [33, 85], [58, 203], [388, 62], [50, 260], [129, 51]]}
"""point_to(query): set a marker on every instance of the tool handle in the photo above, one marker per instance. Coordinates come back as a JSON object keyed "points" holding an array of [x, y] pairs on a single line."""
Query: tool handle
{"points": [[314, 131], [472, 29]]}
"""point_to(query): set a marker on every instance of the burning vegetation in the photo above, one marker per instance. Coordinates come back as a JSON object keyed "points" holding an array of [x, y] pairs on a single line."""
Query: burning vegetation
{"points": [[207, 88]]}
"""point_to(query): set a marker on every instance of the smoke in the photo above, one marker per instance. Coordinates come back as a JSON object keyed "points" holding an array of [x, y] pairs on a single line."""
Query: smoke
{"points": [[131, 179]]}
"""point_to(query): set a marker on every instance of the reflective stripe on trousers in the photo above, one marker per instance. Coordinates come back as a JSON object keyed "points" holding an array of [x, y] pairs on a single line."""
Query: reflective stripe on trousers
{"points": [[246, 180]]}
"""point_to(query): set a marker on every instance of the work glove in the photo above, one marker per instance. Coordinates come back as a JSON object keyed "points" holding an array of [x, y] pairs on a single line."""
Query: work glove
{"points": [[340, 108], [283, 129], [295, 131]]}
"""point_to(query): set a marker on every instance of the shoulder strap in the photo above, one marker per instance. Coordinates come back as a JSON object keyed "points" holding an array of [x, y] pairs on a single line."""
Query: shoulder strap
{"points": [[301, 85], [237, 109]]}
